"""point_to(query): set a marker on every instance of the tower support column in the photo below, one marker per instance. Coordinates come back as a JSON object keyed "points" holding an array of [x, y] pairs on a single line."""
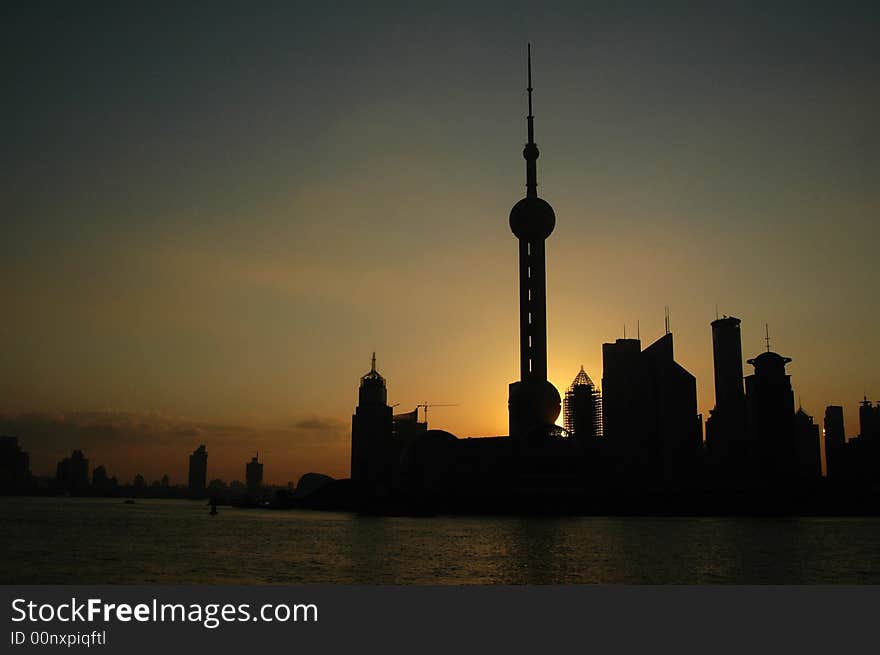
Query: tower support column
{"points": [[534, 403]]}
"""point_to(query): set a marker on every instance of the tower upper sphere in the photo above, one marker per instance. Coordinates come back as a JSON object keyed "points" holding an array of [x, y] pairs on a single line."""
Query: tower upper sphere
{"points": [[532, 218]]}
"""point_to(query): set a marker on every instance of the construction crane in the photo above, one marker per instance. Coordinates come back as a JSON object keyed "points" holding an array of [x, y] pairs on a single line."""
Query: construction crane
{"points": [[426, 405]]}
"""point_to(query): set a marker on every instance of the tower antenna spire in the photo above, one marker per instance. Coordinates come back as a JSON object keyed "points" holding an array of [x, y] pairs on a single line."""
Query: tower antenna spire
{"points": [[767, 335], [531, 150], [531, 118], [373, 363]]}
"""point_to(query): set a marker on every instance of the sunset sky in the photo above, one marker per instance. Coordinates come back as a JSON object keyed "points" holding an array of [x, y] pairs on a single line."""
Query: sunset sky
{"points": [[212, 216]]}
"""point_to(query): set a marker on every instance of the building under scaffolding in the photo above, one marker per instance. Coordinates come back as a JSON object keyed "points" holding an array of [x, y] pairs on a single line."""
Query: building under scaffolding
{"points": [[582, 409]]}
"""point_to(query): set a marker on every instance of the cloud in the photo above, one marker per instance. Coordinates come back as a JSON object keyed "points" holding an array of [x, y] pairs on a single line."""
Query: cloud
{"points": [[332, 425]]}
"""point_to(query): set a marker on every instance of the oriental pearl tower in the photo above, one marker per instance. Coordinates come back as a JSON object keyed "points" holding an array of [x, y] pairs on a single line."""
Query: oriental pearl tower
{"points": [[533, 403]]}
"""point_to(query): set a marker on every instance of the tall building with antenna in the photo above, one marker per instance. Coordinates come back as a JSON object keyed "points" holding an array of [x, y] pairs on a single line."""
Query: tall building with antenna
{"points": [[534, 403], [624, 387], [770, 411], [651, 429]]}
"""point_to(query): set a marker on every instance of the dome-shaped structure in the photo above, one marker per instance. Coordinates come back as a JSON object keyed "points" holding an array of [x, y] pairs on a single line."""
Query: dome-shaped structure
{"points": [[426, 461], [769, 362], [534, 402], [426, 443], [309, 483]]}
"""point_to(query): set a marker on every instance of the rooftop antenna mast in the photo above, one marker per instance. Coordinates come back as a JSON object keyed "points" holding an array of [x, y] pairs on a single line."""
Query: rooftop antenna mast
{"points": [[667, 318], [767, 336]]}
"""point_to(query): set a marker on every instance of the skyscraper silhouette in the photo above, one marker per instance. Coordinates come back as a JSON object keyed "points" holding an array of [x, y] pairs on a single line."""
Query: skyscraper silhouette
{"points": [[371, 435], [670, 410], [856, 461], [582, 415], [726, 431], [534, 403], [727, 357], [869, 419], [807, 448], [198, 471], [253, 475], [650, 421], [770, 405], [624, 388], [835, 438], [867, 445]]}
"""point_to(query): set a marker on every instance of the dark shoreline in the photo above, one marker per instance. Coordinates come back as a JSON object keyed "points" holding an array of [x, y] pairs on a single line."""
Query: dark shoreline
{"points": [[822, 500]]}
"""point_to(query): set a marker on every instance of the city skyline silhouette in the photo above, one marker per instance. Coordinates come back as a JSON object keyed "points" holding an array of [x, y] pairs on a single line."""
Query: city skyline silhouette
{"points": [[188, 263], [635, 445]]}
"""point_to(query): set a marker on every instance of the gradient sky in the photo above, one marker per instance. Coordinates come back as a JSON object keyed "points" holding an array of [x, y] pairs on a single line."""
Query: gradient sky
{"points": [[213, 215]]}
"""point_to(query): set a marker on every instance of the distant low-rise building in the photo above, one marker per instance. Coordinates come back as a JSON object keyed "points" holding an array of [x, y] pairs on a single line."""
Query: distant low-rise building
{"points": [[72, 473], [102, 483], [15, 473]]}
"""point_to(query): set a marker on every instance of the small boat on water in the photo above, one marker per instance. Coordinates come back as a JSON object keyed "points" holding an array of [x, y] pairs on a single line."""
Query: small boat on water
{"points": [[128, 501]]}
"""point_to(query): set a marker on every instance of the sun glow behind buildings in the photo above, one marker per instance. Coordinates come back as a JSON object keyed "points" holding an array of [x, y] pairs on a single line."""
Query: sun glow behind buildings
{"points": [[234, 262]]}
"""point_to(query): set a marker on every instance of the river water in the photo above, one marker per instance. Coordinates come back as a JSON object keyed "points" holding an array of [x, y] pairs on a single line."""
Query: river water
{"points": [[87, 540]]}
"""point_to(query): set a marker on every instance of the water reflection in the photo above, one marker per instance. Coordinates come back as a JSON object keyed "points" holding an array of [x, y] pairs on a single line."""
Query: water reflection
{"points": [[77, 540]]}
